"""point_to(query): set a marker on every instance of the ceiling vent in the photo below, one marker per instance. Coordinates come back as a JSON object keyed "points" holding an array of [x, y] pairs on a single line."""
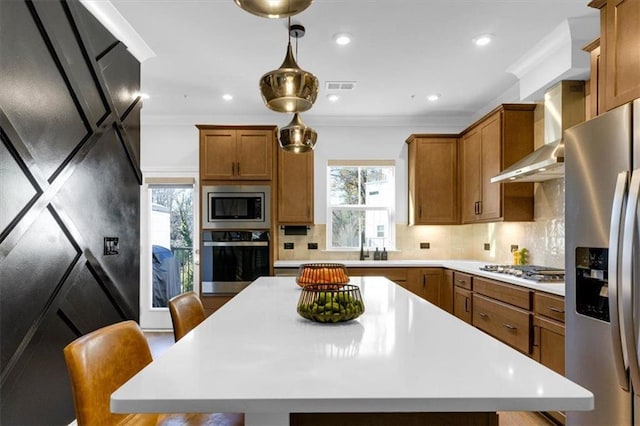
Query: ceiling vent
{"points": [[340, 86]]}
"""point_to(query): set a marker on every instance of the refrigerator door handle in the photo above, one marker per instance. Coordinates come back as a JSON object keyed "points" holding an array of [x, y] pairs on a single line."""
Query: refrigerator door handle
{"points": [[630, 231], [614, 272]]}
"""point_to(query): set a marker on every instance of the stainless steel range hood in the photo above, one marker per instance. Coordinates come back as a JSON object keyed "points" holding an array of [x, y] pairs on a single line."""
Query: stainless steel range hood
{"points": [[563, 107]]}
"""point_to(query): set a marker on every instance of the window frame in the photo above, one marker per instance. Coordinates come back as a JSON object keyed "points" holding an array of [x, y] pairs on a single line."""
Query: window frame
{"points": [[391, 210]]}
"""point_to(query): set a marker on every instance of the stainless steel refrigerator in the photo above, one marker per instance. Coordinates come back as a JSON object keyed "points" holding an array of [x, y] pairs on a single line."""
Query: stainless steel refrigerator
{"points": [[602, 183]]}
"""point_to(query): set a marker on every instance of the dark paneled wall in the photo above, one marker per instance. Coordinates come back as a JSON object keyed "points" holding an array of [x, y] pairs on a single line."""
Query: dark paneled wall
{"points": [[69, 177]]}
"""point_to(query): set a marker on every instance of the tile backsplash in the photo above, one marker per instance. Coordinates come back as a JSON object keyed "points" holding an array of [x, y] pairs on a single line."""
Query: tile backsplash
{"points": [[544, 237]]}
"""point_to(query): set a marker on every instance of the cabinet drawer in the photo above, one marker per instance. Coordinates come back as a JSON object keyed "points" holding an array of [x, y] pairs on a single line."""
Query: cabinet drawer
{"points": [[509, 324], [549, 306], [506, 293], [462, 280]]}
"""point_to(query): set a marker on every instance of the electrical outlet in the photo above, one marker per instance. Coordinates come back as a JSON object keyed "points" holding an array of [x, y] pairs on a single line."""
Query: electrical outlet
{"points": [[514, 247], [425, 245], [288, 246], [487, 246], [312, 246]]}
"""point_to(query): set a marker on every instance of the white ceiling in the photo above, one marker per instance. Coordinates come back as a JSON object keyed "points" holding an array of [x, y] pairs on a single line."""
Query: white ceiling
{"points": [[402, 51]]}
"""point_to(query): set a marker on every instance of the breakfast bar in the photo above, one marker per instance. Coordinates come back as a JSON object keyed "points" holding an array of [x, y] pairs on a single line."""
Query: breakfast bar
{"points": [[403, 357]]}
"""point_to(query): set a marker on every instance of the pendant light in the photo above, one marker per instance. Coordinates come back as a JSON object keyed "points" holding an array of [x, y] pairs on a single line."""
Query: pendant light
{"points": [[296, 137], [289, 88], [274, 8]]}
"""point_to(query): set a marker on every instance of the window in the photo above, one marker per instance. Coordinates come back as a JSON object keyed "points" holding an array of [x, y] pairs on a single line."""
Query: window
{"points": [[171, 235], [361, 205]]}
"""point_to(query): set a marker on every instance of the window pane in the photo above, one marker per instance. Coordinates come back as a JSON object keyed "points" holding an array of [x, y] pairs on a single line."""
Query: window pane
{"points": [[378, 184], [343, 186], [346, 229], [171, 233]]}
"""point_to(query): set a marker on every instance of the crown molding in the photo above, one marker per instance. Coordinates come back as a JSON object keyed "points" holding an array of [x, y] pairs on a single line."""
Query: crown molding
{"points": [[105, 12]]}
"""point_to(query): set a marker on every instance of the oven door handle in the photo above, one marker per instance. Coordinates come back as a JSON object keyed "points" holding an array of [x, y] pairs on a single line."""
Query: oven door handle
{"points": [[236, 243]]}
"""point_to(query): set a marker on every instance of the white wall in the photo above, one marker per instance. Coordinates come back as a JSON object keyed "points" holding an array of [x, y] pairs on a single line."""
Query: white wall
{"points": [[167, 147]]}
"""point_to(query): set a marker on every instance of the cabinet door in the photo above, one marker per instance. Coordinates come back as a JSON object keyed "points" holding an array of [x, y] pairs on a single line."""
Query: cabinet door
{"points": [[217, 154], [295, 188], [491, 166], [462, 307], [446, 291], [548, 343], [435, 178], [622, 55], [254, 154], [471, 175]]}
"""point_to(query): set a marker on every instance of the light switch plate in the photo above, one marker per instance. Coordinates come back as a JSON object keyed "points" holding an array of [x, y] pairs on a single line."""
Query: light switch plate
{"points": [[487, 246], [312, 246], [425, 245], [288, 246]]}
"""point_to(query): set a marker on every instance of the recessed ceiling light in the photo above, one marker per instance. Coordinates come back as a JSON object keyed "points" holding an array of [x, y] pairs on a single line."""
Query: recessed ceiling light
{"points": [[434, 97], [227, 97], [482, 40], [342, 38], [333, 97]]}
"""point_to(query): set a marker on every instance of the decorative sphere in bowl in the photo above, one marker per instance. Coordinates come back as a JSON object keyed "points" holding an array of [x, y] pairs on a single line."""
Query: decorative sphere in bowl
{"points": [[322, 303]]}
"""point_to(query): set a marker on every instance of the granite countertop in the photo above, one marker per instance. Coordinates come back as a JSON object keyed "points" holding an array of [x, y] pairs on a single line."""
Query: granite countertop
{"points": [[466, 266]]}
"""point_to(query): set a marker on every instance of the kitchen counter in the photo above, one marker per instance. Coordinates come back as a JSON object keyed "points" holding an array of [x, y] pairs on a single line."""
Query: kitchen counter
{"points": [[466, 266], [257, 355]]}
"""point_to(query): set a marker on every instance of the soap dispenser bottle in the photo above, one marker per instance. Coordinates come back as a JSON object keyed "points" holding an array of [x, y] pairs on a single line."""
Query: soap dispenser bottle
{"points": [[384, 254], [376, 255]]}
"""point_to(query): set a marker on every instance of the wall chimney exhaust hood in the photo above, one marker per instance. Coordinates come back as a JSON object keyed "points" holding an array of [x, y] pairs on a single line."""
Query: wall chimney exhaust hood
{"points": [[564, 107]]}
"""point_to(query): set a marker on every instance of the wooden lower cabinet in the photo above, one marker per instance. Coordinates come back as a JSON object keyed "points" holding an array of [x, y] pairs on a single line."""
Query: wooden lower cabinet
{"points": [[505, 322], [462, 304], [213, 303], [426, 283], [446, 291], [397, 275]]}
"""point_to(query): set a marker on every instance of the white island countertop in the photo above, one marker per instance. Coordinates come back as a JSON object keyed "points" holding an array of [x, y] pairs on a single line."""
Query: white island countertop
{"points": [[467, 266], [257, 355]]}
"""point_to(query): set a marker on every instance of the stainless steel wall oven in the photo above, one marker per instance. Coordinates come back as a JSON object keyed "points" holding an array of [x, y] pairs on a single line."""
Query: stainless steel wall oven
{"points": [[231, 260]]}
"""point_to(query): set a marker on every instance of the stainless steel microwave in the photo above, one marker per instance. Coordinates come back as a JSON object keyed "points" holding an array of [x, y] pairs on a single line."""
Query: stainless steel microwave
{"points": [[236, 207]]}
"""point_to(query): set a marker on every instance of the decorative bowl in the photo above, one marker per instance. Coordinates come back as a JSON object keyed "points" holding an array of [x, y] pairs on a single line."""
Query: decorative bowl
{"points": [[333, 275], [320, 304]]}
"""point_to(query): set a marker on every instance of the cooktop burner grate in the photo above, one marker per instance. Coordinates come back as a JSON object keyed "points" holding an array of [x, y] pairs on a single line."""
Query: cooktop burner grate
{"points": [[529, 272]]}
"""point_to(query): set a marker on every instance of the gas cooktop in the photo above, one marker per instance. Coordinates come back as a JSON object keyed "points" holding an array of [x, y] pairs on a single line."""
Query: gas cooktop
{"points": [[530, 272]]}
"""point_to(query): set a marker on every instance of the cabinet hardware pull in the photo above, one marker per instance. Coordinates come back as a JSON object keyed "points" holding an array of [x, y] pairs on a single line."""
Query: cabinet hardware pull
{"points": [[238, 168], [510, 327], [536, 336], [479, 207], [420, 212], [466, 304], [475, 208], [556, 310], [424, 280], [461, 281], [233, 169], [483, 315]]}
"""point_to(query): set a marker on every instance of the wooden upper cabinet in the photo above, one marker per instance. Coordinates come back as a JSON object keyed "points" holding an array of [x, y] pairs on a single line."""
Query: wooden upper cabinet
{"points": [[619, 41], [495, 142], [236, 153], [594, 87], [295, 188], [433, 179]]}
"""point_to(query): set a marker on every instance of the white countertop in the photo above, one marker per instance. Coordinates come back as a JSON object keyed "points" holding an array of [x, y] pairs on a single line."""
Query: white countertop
{"points": [[467, 266], [257, 355]]}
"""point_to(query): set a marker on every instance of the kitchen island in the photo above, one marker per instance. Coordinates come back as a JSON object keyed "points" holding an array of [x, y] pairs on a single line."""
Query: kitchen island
{"points": [[403, 357]]}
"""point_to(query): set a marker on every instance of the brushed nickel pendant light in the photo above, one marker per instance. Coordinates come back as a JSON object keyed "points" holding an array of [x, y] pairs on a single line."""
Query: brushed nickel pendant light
{"points": [[274, 8], [296, 137], [289, 88]]}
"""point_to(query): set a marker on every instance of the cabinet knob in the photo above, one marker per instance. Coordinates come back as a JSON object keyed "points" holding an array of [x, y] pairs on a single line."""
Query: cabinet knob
{"points": [[556, 310], [483, 315]]}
